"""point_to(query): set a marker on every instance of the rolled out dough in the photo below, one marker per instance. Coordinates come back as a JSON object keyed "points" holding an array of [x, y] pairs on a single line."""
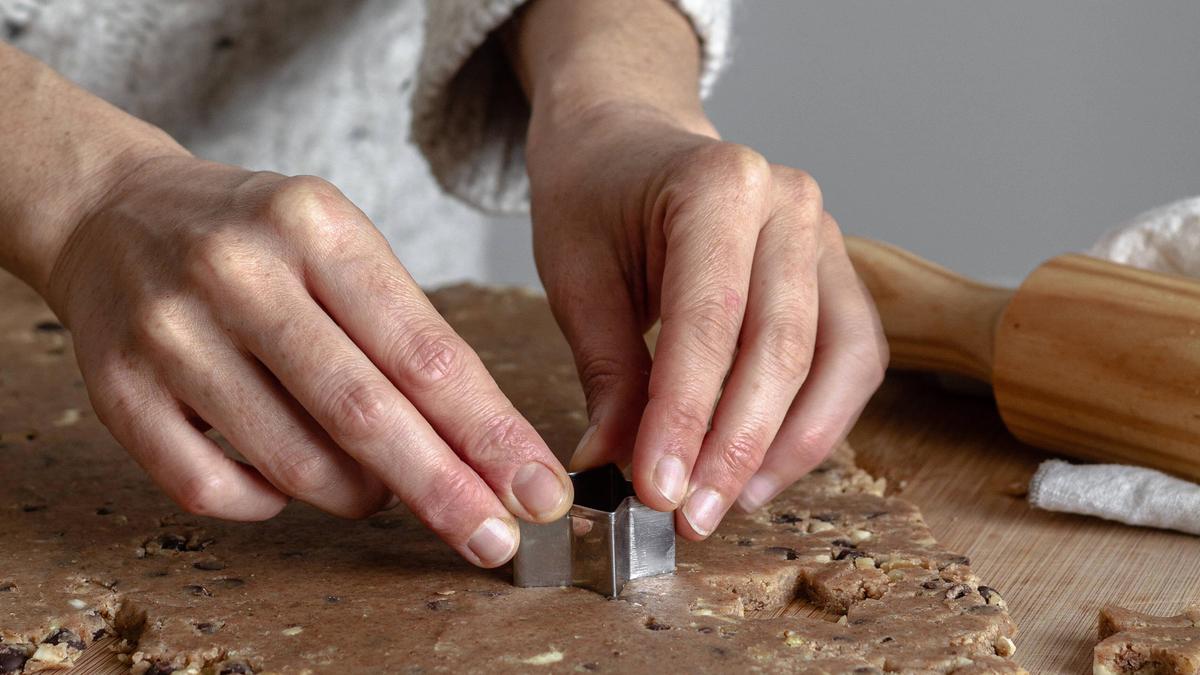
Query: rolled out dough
{"points": [[91, 547]]}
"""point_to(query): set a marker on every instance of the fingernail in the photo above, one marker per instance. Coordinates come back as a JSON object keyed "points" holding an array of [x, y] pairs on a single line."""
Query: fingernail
{"points": [[392, 503], [703, 510], [759, 490], [586, 451], [669, 475], [538, 489], [493, 543]]}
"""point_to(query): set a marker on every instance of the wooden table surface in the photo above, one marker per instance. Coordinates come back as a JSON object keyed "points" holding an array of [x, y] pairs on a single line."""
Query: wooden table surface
{"points": [[949, 454]]}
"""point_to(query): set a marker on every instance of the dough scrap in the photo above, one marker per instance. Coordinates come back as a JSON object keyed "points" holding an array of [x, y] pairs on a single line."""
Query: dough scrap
{"points": [[1132, 642]]}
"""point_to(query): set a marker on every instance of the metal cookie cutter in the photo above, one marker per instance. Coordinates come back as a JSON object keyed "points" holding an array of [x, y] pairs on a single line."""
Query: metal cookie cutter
{"points": [[606, 539]]}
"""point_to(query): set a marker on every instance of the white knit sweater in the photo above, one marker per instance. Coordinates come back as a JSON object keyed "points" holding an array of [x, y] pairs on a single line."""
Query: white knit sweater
{"points": [[325, 87]]}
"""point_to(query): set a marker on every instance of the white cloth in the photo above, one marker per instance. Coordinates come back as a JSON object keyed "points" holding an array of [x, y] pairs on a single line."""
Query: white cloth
{"points": [[1166, 239], [324, 87], [1129, 494]]}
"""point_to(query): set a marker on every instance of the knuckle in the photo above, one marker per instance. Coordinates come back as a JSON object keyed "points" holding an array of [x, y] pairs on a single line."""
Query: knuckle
{"points": [[602, 376], [787, 344], [204, 495], [357, 412], [687, 418], [314, 208], [504, 436], [162, 327], [447, 505], [714, 324], [814, 443], [742, 170], [304, 474], [800, 185], [432, 356], [741, 454]]}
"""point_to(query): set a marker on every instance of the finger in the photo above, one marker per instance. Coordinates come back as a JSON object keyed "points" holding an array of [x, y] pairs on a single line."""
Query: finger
{"points": [[233, 393], [190, 468], [709, 249], [772, 363], [370, 295], [849, 362], [368, 418], [606, 338]]}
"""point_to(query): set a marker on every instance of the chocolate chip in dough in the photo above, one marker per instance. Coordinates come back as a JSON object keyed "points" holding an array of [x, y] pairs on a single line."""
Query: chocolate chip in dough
{"points": [[234, 668], [48, 327], [785, 519], [67, 637], [12, 659], [198, 590], [783, 552], [655, 624], [7, 586], [957, 591]]}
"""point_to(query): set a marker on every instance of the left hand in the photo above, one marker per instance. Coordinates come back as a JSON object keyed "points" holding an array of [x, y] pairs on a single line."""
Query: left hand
{"points": [[770, 346]]}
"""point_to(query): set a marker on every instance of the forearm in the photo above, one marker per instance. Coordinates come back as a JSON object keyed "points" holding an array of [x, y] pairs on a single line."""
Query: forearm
{"points": [[576, 56], [63, 149]]}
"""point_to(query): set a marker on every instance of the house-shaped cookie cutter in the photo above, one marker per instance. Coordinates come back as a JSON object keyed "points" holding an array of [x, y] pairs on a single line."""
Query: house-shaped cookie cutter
{"points": [[607, 539]]}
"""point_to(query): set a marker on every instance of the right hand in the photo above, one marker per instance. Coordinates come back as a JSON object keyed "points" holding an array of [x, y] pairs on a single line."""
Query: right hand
{"points": [[271, 309]]}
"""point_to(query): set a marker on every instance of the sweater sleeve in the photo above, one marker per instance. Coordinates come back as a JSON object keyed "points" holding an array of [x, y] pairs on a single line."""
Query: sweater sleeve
{"points": [[469, 115]]}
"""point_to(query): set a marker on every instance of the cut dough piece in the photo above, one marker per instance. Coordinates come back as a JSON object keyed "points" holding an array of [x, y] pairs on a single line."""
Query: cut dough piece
{"points": [[1131, 642]]}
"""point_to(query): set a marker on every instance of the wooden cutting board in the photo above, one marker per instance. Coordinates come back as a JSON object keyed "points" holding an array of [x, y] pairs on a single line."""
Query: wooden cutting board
{"points": [[950, 455]]}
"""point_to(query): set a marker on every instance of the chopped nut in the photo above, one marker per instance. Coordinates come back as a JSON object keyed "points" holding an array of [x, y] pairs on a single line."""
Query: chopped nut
{"points": [[991, 597], [957, 591], [864, 563], [842, 620], [293, 630], [47, 653], [77, 603], [1004, 646], [859, 535], [819, 526]]}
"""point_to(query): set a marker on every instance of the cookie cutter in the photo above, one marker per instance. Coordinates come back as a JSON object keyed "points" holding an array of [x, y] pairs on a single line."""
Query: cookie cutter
{"points": [[607, 539]]}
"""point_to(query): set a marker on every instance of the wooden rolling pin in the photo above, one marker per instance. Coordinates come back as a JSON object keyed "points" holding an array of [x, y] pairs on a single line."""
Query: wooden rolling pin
{"points": [[1090, 358]]}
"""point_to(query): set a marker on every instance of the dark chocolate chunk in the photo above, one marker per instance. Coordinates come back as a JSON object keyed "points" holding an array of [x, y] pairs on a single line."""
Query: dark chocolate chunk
{"points": [[48, 327], [745, 542], [104, 511], [172, 542], [12, 659], [783, 552], [707, 630], [849, 554], [332, 599], [785, 518], [100, 632], [828, 516], [6, 586], [875, 514], [206, 627], [67, 637], [160, 668], [988, 593], [591, 666], [844, 543], [933, 584], [234, 668]]}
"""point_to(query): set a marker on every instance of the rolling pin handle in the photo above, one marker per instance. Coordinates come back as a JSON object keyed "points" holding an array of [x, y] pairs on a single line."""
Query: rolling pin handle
{"points": [[934, 319]]}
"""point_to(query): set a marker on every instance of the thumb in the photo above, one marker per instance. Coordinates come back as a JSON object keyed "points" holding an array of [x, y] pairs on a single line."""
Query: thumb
{"points": [[613, 362]]}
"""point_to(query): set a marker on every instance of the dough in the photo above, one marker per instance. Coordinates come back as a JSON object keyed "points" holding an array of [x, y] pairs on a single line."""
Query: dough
{"points": [[1131, 642], [91, 546]]}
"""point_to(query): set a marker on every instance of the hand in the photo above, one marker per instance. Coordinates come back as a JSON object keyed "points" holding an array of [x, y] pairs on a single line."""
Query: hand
{"points": [[769, 346], [270, 309]]}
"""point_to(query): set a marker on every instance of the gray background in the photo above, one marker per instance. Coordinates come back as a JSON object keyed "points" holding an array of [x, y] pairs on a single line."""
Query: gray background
{"points": [[986, 135]]}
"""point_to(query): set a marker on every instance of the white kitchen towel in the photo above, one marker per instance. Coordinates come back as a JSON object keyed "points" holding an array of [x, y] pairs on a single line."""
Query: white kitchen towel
{"points": [[1129, 494], [1166, 239]]}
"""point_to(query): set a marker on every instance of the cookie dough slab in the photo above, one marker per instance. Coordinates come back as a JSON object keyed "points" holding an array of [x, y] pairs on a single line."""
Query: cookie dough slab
{"points": [[92, 548], [1132, 642]]}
